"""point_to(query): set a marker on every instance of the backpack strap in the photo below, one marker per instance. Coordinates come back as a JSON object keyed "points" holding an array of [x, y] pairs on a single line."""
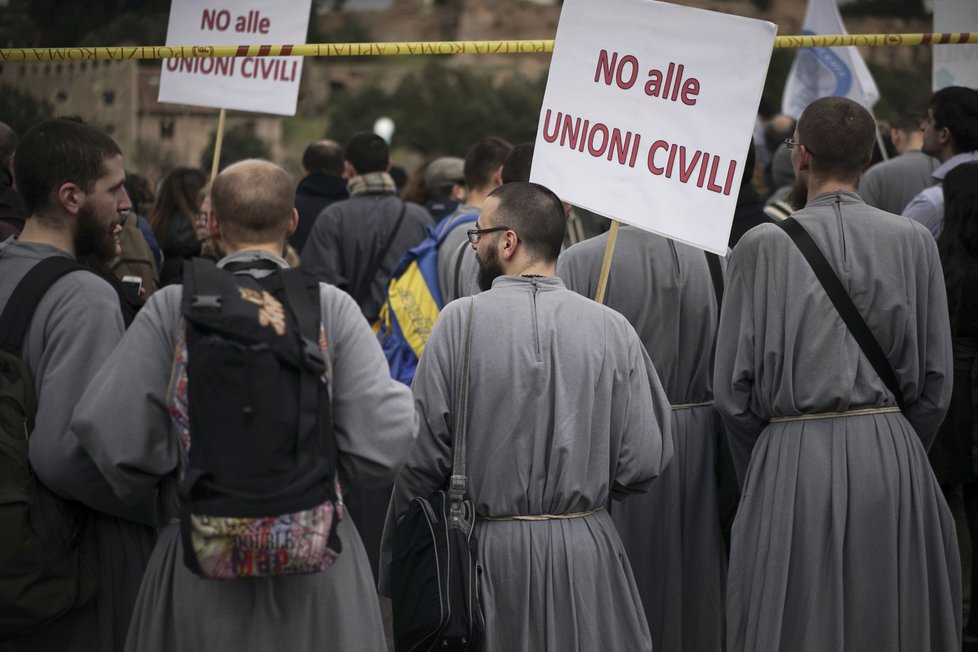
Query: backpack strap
{"points": [[19, 311], [716, 273], [368, 278], [843, 304], [313, 408]]}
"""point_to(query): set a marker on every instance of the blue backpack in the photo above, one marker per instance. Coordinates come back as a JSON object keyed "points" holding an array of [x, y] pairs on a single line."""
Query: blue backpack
{"points": [[414, 301]]}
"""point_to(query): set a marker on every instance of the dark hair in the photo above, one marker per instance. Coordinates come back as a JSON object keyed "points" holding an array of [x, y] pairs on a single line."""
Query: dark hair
{"points": [[415, 189], [911, 121], [517, 165], [323, 156], [956, 108], [140, 192], [367, 152], [8, 143], [839, 135], [483, 159], [535, 213], [253, 202], [958, 241], [179, 193], [55, 152]]}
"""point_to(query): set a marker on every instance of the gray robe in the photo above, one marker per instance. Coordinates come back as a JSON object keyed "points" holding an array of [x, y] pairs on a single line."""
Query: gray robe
{"points": [[374, 425], [74, 329], [457, 268], [672, 533], [843, 539], [565, 409]]}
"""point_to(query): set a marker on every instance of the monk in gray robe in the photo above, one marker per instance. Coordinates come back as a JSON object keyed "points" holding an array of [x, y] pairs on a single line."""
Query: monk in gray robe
{"points": [[565, 409], [672, 533], [71, 176], [843, 540], [374, 425]]}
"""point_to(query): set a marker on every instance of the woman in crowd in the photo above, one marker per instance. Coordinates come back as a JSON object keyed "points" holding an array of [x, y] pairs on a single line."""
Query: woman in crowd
{"points": [[174, 220], [954, 454]]}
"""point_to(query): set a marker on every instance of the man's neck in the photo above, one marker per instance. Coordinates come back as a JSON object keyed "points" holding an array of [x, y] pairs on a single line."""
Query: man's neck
{"points": [[36, 232], [477, 196], [533, 269], [818, 186], [274, 248]]}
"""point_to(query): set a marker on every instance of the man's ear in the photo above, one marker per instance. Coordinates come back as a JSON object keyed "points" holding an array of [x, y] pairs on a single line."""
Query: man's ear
{"points": [[508, 245], [497, 177], [71, 197], [213, 226], [348, 170], [293, 222]]}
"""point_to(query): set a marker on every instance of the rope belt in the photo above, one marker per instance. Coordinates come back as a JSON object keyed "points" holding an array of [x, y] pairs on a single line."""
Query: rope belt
{"points": [[540, 517], [835, 415], [689, 406]]}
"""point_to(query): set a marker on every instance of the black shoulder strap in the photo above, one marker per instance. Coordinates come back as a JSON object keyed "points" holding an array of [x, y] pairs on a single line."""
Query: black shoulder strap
{"points": [[368, 278], [716, 273], [843, 304], [19, 311], [313, 408]]}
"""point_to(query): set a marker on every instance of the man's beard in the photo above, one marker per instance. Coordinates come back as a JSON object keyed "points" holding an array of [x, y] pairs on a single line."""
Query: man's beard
{"points": [[489, 269], [94, 242], [797, 197]]}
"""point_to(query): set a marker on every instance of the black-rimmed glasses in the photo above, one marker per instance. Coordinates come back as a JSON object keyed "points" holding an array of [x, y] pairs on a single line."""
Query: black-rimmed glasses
{"points": [[791, 143], [474, 234]]}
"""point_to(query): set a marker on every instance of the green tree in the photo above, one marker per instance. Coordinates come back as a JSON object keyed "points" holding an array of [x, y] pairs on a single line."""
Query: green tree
{"points": [[443, 109], [240, 142], [20, 110]]}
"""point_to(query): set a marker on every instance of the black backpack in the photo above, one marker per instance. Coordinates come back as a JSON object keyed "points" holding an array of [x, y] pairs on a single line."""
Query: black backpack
{"points": [[258, 495], [47, 558]]}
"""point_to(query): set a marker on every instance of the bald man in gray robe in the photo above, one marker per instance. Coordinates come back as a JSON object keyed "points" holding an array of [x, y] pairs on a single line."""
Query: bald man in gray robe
{"points": [[843, 540], [565, 409], [373, 424], [672, 533]]}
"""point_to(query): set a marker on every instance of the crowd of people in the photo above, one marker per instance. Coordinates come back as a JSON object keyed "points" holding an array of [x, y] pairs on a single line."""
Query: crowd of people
{"points": [[712, 458]]}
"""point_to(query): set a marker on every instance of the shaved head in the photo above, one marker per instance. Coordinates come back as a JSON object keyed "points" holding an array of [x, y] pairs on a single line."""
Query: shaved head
{"points": [[253, 202]]}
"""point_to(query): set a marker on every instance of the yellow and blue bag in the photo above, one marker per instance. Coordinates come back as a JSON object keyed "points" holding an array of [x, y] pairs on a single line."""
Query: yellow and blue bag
{"points": [[414, 300]]}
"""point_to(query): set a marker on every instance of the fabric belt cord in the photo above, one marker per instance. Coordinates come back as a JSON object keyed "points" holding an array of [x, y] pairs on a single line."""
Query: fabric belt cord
{"points": [[690, 406], [836, 415], [541, 517]]}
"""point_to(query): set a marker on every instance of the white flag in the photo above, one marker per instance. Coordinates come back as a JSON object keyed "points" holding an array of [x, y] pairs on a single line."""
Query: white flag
{"points": [[822, 71]]}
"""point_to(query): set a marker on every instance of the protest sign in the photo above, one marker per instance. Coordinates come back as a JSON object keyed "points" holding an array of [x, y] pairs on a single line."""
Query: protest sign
{"points": [[260, 84], [955, 65], [648, 114]]}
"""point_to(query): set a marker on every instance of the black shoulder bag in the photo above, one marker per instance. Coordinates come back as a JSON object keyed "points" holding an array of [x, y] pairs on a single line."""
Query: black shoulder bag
{"points": [[843, 304], [434, 572]]}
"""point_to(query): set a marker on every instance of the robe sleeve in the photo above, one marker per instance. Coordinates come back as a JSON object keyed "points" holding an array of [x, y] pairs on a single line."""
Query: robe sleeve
{"points": [[321, 254], [934, 347], [430, 461], [122, 420], [373, 414], [81, 329], [646, 423], [733, 377]]}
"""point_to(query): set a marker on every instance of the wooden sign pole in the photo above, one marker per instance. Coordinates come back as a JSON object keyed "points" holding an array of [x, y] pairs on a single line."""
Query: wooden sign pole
{"points": [[609, 252], [217, 144]]}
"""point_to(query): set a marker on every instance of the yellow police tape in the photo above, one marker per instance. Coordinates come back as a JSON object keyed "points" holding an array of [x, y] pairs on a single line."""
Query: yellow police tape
{"points": [[421, 47]]}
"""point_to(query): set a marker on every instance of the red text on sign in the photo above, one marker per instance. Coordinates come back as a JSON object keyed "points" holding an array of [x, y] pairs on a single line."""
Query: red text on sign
{"points": [[669, 85]]}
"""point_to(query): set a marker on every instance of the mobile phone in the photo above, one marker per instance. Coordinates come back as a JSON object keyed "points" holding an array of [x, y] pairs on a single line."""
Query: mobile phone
{"points": [[133, 284]]}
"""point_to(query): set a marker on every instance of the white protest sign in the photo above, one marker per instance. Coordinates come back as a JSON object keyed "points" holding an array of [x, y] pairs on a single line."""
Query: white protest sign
{"points": [[649, 112], [260, 84], [955, 65]]}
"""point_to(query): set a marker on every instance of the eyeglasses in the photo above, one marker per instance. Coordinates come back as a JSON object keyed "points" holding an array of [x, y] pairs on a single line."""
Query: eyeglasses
{"points": [[791, 143], [474, 234]]}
